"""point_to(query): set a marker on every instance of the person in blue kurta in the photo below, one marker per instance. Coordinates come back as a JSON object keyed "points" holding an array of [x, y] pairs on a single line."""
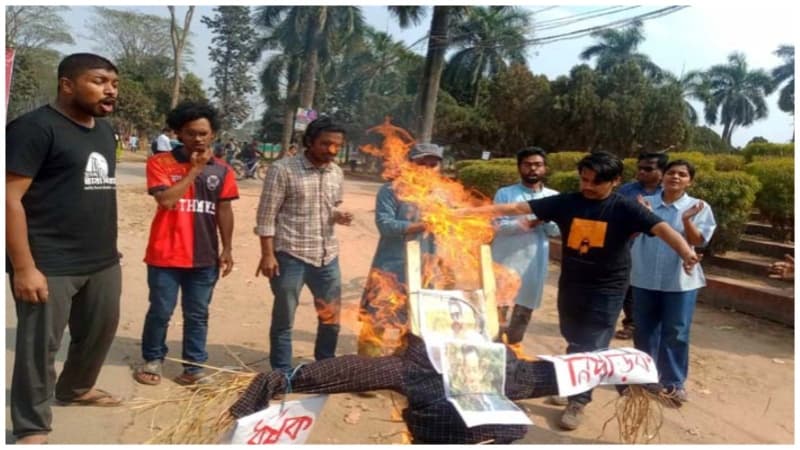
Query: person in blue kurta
{"points": [[649, 170], [383, 323], [521, 243], [664, 294]]}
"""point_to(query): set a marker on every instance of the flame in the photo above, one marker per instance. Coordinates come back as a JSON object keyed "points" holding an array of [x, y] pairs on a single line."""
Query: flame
{"points": [[384, 320], [456, 264]]}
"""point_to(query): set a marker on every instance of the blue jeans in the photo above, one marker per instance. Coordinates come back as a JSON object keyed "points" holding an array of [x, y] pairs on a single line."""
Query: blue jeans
{"points": [[197, 285], [587, 319], [325, 284], [662, 322]]}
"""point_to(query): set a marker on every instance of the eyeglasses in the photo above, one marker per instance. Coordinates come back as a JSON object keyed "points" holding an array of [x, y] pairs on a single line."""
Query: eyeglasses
{"points": [[646, 168]]}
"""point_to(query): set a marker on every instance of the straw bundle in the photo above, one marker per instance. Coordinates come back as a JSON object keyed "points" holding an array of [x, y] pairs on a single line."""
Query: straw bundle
{"points": [[639, 415], [195, 414]]}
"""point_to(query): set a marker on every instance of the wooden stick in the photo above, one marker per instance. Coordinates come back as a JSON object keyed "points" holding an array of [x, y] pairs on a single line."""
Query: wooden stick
{"points": [[414, 279], [489, 291]]}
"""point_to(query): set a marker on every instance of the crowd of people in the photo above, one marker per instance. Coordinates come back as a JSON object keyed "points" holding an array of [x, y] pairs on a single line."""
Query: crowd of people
{"points": [[64, 269]]}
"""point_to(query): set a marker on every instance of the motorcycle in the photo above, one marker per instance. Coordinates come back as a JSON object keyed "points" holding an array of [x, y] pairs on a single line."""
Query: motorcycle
{"points": [[256, 168]]}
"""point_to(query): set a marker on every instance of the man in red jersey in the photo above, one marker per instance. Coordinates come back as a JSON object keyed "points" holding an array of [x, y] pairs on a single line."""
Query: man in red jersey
{"points": [[193, 190]]}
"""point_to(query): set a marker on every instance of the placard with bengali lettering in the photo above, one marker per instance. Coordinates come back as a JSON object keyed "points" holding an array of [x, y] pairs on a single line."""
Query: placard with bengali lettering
{"points": [[579, 372]]}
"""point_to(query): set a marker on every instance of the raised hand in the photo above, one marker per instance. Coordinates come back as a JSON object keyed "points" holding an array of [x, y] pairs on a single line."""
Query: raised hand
{"points": [[691, 212], [644, 202]]}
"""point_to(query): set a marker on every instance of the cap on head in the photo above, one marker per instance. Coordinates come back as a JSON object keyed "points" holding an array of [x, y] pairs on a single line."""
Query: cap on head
{"points": [[422, 150]]}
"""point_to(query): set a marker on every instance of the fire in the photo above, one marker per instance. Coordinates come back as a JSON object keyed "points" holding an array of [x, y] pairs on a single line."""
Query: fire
{"points": [[458, 239], [384, 322]]}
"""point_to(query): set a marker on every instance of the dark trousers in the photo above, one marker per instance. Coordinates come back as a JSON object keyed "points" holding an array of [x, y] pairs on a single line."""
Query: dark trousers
{"points": [[627, 309], [325, 283], [196, 286], [587, 319], [89, 305]]}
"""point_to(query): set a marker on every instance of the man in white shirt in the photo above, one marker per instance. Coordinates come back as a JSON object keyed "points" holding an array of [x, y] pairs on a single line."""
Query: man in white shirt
{"points": [[162, 142]]}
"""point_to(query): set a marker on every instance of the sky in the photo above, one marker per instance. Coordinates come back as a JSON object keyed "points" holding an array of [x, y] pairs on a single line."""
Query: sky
{"points": [[694, 38]]}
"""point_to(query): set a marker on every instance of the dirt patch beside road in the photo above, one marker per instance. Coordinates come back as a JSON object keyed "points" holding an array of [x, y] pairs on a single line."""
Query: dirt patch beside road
{"points": [[741, 379]]}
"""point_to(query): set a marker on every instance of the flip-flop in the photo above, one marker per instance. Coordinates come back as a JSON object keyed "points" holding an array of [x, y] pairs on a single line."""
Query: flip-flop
{"points": [[188, 379], [104, 399], [152, 368]]}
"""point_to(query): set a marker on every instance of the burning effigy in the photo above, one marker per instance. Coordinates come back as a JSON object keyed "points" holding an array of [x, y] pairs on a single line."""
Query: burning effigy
{"points": [[435, 331]]}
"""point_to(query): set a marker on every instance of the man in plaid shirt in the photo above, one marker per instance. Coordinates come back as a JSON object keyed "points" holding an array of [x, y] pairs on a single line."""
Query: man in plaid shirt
{"points": [[296, 215]]}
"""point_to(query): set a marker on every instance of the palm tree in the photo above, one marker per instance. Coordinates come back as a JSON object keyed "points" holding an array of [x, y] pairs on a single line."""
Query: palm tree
{"points": [[489, 39], [693, 85], [737, 94], [615, 47], [434, 60], [304, 34], [785, 73]]}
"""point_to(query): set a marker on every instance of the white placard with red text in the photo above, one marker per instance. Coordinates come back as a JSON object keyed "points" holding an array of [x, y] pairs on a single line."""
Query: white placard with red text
{"points": [[287, 423], [579, 372]]}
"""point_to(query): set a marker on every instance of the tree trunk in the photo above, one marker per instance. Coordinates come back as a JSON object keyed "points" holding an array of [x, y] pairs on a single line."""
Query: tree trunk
{"points": [[434, 64], [178, 44], [292, 73], [726, 129], [314, 40]]}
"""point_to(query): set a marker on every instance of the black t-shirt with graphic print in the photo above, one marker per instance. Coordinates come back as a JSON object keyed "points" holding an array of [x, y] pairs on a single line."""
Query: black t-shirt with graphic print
{"points": [[71, 205], [594, 237]]}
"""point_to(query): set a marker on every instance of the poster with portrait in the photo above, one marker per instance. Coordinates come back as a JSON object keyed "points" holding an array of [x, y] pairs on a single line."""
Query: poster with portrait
{"points": [[445, 315], [474, 382]]}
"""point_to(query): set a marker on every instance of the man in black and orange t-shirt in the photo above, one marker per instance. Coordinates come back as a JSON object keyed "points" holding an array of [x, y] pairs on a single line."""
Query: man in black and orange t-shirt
{"points": [[193, 190]]}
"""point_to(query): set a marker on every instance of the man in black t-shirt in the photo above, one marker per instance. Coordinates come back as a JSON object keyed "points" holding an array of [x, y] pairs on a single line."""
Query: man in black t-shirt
{"points": [[61, 243], [595, 225]]}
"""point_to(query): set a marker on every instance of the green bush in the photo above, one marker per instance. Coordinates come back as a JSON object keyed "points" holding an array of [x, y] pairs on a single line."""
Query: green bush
{"points": [[629, 169], [727, 163], [465, 162], [564, 181], [564, 161], [767, 149], [487, 178], [511, 162], [703, 163], [775, 200], [731, 196]]}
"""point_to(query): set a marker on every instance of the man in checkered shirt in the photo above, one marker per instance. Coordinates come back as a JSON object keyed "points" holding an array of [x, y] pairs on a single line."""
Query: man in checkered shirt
{"points": [[296, 216]]}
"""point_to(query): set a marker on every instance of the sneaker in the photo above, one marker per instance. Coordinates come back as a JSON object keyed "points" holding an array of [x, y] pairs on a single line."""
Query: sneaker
{"points": [[677, 396], [572, 416], [558, 401]]}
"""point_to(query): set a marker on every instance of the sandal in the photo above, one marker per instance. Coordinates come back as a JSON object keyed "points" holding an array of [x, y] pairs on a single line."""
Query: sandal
{"points": [[188, 379], [148, 373], [624, 334], [102, 398]]}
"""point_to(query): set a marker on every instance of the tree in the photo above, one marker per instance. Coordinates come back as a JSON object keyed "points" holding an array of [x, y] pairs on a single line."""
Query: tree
{"points": [[434, 60], [521, 103], [178, 38], [488, 40], [306, 33], [785, 74], [231, 54], [616, 47], [707, 140], [737, 94], [36, 27], [129, 35], [32, 30]]}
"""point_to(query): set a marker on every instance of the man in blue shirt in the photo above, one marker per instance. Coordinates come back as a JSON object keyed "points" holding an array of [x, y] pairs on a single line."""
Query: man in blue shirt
{"points": [[649, 171], [521, 243], [397, 222]]}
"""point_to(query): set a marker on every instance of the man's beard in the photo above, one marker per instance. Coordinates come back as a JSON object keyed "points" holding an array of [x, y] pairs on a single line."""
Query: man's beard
{"points": [[532, 179]]}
